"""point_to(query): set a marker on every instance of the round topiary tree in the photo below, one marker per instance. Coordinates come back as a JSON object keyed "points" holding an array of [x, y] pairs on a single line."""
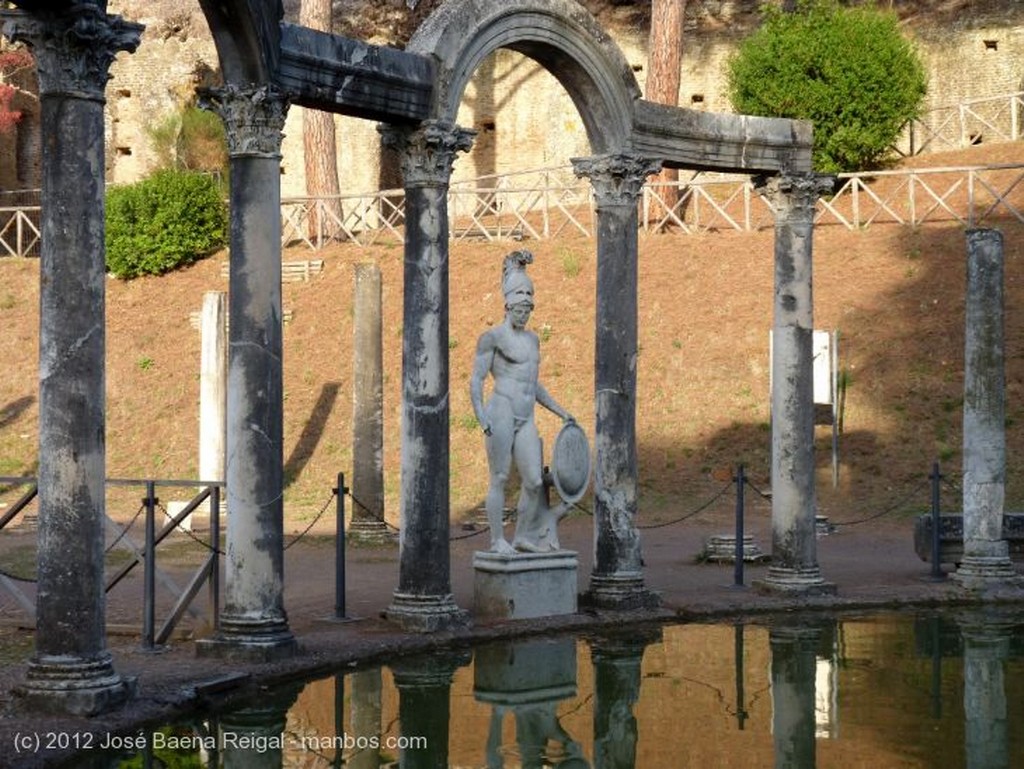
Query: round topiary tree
{"points": [[847, 70], [164, 222]]}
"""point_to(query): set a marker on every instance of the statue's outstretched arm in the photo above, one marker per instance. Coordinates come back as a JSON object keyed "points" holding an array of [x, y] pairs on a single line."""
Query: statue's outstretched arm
{"points": [[544, 399]]}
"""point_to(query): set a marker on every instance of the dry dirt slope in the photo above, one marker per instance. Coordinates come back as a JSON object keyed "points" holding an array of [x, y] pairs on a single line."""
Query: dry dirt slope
{"points": [[895, 294]]}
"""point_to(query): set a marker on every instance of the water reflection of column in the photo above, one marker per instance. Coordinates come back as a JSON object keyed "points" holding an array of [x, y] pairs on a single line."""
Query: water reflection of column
{"points": [[986, 648], [424, 707], [794, 666], [366, 715], [617, 669], [253, 738]]}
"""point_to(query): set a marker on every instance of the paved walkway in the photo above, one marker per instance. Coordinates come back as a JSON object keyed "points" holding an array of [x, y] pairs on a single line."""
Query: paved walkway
{"points": [[873, 566]]}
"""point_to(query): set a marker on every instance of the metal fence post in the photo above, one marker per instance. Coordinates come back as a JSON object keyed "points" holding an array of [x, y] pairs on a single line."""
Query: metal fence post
{"points": [[936, 477], [741, 482], [339, 550], [149, 568], [215, 556]]}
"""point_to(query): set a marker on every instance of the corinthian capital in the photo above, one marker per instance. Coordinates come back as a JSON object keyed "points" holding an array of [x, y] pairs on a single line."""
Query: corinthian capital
{"points": [[617, 179], [427, 153], [793, 196], [253, 118], [73, 47]]}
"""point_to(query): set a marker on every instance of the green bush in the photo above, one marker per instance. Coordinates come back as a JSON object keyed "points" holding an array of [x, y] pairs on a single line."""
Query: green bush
{"points": [[164, 222], [848, 70], [190, 139]]}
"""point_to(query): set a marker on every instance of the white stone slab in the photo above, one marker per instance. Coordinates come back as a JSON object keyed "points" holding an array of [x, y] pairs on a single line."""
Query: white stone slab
{"points": [[525, 585]]}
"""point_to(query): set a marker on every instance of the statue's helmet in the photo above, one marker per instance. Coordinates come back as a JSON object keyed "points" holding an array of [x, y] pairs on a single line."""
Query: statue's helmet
{"points": [[515, 283]]}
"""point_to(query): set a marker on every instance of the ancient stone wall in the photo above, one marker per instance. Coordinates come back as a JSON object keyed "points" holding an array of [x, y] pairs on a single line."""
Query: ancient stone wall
{"points": [[523, 117]]}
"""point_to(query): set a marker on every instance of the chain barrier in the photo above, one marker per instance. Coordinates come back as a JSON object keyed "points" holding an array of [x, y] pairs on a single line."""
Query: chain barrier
{"points": [[892, 508], [762, 494], [700, 509], [125, 530], [377, 518], [188, 532], [17, 578], [318, 516], [505, 519]]}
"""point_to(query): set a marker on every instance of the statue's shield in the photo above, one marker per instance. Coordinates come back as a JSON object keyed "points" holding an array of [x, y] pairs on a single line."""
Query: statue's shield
{"points": [[570, 463]]}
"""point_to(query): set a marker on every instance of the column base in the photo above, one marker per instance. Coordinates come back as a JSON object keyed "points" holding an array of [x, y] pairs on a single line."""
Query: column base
{"points": [[69, 686], [370, 533], [623, 591], [987, 572], [426, 613], [806, 581], [249, 640]]}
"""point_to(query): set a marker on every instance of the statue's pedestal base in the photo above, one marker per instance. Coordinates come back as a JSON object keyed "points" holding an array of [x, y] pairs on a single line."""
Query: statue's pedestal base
{"points": [[524, 585]]}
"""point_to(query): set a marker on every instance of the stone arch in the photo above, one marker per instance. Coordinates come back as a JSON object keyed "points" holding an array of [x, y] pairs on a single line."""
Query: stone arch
{"points": [[247, 35], [560, 35]]}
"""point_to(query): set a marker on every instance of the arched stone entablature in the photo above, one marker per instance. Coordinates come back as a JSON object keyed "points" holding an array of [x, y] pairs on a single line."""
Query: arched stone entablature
{"points": [[558, 34], [247, 34]]}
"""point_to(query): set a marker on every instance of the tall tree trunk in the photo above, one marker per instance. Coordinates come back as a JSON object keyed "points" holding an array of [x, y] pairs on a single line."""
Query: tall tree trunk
{"points": [[665, 51], [319, 145]]}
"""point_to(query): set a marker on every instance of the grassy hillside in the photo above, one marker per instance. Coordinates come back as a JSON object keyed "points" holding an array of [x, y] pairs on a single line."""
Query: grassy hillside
{"points": [[895, 294]]}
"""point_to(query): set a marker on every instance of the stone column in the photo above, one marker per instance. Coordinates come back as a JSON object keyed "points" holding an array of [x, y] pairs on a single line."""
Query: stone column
{"points": [[794, 666], [71, 670], [617, 579], [253, 624], [368, 410], [213, 386], [423, 600], [424, 707], [986, 732], [986, 561], [794, 567]]}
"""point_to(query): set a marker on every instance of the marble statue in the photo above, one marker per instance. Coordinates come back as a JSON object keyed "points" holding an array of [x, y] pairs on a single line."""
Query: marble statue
{"points": [[511, 355]]}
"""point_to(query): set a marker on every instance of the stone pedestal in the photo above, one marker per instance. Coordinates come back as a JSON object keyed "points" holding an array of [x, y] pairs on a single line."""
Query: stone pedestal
{"points": [[720, 548], [524, 585]]}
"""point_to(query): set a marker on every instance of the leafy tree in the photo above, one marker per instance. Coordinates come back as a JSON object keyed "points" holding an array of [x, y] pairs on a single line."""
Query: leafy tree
{"points": [[190, 139], [848, 70], [164, 222], [14, 63]]}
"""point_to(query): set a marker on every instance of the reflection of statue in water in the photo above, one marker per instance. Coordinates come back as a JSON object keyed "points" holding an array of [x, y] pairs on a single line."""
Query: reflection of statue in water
{"points": [[511, 354], [540, 739]]}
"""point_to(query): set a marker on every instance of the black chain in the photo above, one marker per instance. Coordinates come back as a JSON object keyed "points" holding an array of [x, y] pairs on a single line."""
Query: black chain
{"points": [[125, 530], [892, 508], [700, 509], [334, 493], [17, 578], [208, 545], [378, 518]]}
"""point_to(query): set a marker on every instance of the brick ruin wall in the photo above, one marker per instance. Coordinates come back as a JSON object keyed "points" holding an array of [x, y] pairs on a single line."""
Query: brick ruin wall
{"points": [[523, 117]]}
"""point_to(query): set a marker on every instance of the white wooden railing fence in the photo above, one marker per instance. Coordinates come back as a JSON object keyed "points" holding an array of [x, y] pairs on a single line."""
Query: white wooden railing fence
{"points": [[548, 203]]}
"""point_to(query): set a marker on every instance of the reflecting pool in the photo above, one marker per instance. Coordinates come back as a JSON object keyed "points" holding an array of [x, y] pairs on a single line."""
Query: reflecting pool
{"points": [[882, 691]]}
